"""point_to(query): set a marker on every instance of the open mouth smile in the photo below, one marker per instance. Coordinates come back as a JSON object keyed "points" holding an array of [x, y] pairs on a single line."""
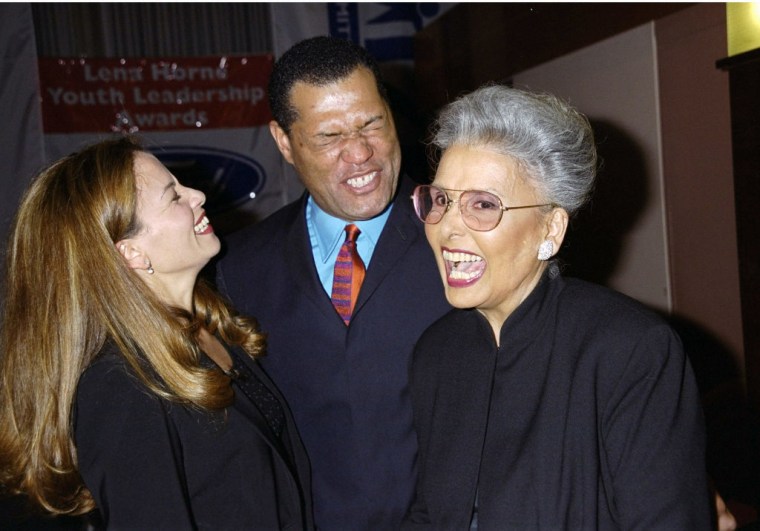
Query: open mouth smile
{"points": [[462, 268], [361, 182], [203, 226]]}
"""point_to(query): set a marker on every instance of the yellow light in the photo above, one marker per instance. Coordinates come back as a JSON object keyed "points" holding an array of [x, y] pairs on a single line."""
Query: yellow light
{"points": [[742, 26]]}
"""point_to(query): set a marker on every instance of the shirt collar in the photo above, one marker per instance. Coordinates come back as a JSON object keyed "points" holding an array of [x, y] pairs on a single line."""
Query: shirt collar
{"points": [[330, 231]]}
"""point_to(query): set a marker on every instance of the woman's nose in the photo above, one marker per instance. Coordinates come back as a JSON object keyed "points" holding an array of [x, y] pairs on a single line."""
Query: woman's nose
{"points": [[196, 198], [452, 222]]}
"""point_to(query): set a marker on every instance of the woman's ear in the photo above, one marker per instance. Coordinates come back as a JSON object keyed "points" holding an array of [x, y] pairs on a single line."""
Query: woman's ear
{"points": [[133, 255], [556, 227]]}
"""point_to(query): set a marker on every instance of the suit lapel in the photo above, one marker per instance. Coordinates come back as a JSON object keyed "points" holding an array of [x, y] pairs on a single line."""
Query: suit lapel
{"points": [[299, 260], [400, 232]]}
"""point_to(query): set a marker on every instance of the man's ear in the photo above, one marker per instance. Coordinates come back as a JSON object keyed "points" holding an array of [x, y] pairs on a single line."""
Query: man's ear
{"points": [[133, 255], [556, 227], [282, 140]]}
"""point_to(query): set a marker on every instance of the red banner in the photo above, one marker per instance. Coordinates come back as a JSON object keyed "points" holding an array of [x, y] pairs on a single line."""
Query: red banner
{"points": [[154, 94]]}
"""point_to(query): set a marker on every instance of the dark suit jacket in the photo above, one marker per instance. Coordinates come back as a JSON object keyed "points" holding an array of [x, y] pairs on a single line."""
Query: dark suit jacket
{"points": [[347, 386], [586, 416], [151, 464]]}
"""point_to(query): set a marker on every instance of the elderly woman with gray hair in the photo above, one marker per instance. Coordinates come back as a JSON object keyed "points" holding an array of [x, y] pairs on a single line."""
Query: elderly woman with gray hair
{"points": [[540, 402]]}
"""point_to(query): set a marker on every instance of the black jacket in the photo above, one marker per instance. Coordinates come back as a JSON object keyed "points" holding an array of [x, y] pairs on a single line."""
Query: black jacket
{"points": [[347, 386], [587, 416], [151, 464]]}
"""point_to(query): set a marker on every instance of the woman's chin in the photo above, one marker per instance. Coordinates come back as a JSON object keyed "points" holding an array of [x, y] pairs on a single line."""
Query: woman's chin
{"points": [[460, 300]]}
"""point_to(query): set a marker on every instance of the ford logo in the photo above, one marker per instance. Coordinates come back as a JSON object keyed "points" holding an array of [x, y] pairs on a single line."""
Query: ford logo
{"points": [[228, 179]]}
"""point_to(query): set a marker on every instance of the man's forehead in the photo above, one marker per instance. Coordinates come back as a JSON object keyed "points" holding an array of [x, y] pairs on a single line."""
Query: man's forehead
{"points": [[344, 115], [360, 79], [359, 72]]}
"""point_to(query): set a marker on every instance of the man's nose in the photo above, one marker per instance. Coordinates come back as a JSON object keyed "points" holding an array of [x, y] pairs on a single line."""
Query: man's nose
{"points": [[356, 149]]}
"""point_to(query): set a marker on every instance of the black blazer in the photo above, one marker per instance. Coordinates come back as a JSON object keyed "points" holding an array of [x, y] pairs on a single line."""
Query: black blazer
{"points": [[586, 416], [347, 386], [151, 464]]}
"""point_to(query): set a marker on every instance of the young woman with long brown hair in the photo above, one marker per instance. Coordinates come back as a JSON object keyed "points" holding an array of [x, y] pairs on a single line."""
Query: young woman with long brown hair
{"points": [[127, 384]]}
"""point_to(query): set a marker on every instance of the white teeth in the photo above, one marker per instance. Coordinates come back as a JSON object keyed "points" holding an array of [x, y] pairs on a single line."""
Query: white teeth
{"points": [[358, 182], [463, 275], [202, 225], [461, 257]]}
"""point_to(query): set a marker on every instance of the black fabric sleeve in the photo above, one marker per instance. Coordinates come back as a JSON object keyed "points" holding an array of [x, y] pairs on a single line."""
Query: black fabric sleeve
{"points": [[652, 436], [129, 454]]}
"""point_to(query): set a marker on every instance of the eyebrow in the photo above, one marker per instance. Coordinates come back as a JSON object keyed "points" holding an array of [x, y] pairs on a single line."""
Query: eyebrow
{"points": [[369, 121], [372, 120]]}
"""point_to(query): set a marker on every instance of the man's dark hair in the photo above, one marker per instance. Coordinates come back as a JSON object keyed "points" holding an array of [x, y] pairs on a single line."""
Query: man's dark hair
{"points": [[317, 61]]}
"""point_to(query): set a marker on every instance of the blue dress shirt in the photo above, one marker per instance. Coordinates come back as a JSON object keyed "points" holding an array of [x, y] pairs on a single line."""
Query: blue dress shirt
{"points": [[327, 233]]}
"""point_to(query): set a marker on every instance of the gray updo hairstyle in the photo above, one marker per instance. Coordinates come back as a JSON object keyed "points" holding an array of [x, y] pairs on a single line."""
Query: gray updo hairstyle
{"points": [[551, 141]]}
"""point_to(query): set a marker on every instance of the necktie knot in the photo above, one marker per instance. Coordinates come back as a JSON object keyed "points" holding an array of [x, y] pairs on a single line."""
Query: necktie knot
{"points": [[347, 275], [352, 233]]}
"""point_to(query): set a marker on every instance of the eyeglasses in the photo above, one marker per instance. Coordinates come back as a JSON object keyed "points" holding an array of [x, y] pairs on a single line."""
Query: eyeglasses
{"points": [[481, 211]]}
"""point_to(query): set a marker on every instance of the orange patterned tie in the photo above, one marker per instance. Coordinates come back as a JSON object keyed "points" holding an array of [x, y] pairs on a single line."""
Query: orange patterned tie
{"points": [[348, 275]]}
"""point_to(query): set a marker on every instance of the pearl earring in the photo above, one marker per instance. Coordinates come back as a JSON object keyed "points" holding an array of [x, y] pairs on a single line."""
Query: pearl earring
{"points": [[545, 250]]}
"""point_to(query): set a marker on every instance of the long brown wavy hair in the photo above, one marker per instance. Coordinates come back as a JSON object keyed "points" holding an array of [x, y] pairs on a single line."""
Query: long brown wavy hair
{"points": [[67, 291]]}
